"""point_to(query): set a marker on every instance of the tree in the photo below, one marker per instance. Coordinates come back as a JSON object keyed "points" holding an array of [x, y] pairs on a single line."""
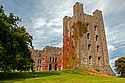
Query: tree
{"points": [[120, 66], [14, 44]]}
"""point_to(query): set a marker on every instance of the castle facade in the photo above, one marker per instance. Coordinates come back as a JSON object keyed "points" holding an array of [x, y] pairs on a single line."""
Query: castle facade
{"points": [[84, 41]]}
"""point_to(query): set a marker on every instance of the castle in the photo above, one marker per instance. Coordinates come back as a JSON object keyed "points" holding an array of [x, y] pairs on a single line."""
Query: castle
{"points": [[84, 41], [84, 45], [50, 58]]}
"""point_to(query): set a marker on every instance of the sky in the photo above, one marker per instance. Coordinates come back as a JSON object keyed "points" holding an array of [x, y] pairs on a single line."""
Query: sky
{"points": [[43, 19]]}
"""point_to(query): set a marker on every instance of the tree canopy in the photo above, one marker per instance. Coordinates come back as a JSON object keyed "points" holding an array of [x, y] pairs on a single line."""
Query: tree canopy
{"points": [[120, 66], [14, 44]]}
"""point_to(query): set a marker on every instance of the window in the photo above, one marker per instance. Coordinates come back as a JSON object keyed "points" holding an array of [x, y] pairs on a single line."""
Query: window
{"points": [[89, 47], [39, 55], [99, 60], [95, 28], [50, 66], [90, 59], [87, 24], [53, 58], [56, 59], [38, 61], [96, 37], [73, 58], [50, 58], [88, 36], [97, 48]]}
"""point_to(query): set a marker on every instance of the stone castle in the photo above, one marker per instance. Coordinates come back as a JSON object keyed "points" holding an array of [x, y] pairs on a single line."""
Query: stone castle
{"points": [[50, 58], [84, 45], [84, 41]]}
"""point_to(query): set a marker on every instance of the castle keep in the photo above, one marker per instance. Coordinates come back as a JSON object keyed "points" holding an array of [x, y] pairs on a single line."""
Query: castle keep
{"points": [[84, 41]]}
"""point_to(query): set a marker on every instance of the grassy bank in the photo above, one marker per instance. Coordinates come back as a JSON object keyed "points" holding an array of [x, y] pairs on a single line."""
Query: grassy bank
{"points": [[58, 77]]}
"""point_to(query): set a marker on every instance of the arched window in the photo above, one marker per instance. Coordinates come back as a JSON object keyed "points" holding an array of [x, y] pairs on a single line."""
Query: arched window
{"points": [[53, 58], [97, 48], [50, 66], [99, 60], [97, 37], [90, 59], [39, 55], [56, 59], [95, 28], [89, 47], [50, 58], [87, 24], [40, 61], [88, 35]]}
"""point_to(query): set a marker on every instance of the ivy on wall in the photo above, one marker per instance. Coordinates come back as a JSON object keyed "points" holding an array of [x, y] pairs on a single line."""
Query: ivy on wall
{"points": [[73, 61]]}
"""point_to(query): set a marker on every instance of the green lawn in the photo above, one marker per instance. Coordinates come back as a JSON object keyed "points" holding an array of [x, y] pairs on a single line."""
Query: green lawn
{"points": [[58, 77]]}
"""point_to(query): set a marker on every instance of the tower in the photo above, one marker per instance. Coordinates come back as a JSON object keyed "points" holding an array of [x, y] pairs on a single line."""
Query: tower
{"points": [[84, 41]]}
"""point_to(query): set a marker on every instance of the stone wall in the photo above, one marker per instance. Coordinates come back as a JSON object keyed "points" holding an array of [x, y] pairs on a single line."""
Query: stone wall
{"points": [[50, 58], [84, 41]]}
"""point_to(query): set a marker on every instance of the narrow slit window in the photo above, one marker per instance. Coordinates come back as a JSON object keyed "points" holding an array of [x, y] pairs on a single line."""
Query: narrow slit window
{"points": [[89, 47], [90, 59], [95, 28], [50, 58], [87, 24], [53, 58], [97, 48], [38, 61], [97, 37], [88, 36], [99, 60], [56, 59]]}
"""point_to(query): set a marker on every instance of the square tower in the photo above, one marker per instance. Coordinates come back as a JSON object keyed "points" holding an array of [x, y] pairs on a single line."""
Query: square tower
{"points": [[84, 41]]}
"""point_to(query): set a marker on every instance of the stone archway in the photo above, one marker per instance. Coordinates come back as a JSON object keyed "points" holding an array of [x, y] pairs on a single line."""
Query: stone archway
{"points": [[55, 68], [50, 66]]}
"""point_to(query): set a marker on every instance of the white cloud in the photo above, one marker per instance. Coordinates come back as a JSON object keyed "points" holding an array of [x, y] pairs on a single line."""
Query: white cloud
{"points": [[38, 22], [116, 37], [44, 18], [111, 47], [112, 61], [55, 22]]}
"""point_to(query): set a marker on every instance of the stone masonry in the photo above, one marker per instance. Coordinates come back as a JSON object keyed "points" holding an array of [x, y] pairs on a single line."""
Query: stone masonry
{"points": [[84, 41], [50, 58]]}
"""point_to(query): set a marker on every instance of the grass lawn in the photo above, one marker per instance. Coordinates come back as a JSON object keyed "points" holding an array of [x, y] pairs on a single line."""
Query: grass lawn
{"points": [[58, 77]]}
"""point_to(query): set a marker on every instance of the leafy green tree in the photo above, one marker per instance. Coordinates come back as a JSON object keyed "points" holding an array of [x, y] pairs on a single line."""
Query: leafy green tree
{"points": [[14, 44], [120, 66]]}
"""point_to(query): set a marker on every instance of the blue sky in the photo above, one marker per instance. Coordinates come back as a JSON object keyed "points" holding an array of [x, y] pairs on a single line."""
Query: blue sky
{"points": [[43, 20]]}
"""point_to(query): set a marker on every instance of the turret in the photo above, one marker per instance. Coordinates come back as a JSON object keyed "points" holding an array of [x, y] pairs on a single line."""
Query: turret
{"points": [[98, 14], [78, 9]]}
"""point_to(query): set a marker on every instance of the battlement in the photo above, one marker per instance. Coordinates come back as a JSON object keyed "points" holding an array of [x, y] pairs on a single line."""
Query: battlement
{"points": [[78, 8]]}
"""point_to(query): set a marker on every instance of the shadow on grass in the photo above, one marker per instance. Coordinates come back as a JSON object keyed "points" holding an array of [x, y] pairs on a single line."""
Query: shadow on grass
{"points": [[25, 75]]}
